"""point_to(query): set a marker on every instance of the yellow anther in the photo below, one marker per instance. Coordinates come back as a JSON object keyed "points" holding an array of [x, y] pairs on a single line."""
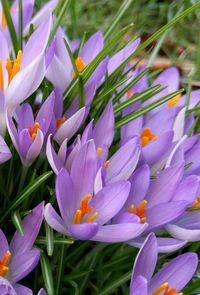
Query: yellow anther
{"points": [[60, 121], [83, 210], [196, 202], [147, 136], [13, 67], [174, 101], [106, 164], [99, 151], [33, 130], [92, 217], [80, 65], [4, 264], [130, 93], [140, 210]]}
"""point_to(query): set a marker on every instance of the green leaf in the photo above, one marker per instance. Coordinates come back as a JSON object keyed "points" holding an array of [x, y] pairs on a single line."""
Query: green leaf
{"points": [[61, 268], [47, 274], [11, 28], [112, 287], [16, 219], [123, 8], [49, 239], [26, 193], [148, 93], [146, 109], [20, 30], [42, 240], [63, 9]]}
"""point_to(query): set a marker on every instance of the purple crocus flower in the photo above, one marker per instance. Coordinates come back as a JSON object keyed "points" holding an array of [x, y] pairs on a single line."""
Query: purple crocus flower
{"points": [[19, 258], [159, 202], [20, 78], [169, 280], [29, 137], [86, 215], [5, 153]]}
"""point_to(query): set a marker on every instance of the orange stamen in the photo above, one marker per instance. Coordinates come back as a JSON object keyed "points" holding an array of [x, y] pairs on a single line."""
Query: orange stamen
{"points": [[3, 20], [130, 93], [4, 264], [60, 121], [80, 66], [106, 164], [140, 210], [196, 202], [83, 210], [174, 101], [167, 291], [1, 76], [13, 67], [147, 136], [33, 130], [99, 151]]}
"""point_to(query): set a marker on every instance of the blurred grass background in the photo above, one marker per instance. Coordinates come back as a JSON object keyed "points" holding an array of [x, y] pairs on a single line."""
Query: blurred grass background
{"points": [[181, 46]]}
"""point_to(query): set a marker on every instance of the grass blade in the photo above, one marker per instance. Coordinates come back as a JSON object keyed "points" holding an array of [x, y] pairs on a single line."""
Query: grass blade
{"points": [[20, 30], [47, 274], [16, 219]]}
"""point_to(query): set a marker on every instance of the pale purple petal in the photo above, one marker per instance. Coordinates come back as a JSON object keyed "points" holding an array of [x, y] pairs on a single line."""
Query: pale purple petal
{"points": [[138, 286], [5, 153], [6, 287], [52, 157], [92, 47], [187, 189], [35, 148], [54, 220], [22, 290], [4, 245], [25, 117], [83, 231]]}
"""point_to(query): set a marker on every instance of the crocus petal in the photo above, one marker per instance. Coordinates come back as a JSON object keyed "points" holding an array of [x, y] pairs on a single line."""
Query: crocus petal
{"points": [[179, 125], [98, 184], [163, 187], [54, 220], [122, 55], [65, 195], [84, 231], [177, 272], [192, 157], [25, 117], [31, 226], [5, 153], [177, 153], [34, 149], [12, 131], [116, 233], [4, 244], [22, 264], [103, 131], [145, 264], [108, 201], [165, 245], [37, 42], [138, 286], [98, 75], [157, 149], [52, 157], [83, 171], [4, 52], [22, 290], [70, 126], [6, 287], [42, 292], [123, 162], [92, 47], [187, 189], [17, 90], [164, 213]]}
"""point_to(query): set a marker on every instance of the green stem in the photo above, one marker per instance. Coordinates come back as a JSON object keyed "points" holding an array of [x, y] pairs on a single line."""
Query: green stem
{"points": [[20, 30], [61, 268], [23, 178]]}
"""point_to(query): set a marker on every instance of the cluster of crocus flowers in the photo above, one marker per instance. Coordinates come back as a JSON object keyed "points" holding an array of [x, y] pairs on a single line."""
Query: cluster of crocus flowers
{"points": [[139, 185]]}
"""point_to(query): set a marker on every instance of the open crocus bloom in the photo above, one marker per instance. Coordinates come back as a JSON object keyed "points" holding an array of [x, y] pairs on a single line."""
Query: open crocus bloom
{"points": [[28, 138], [86, 215], [172, 277], [19, 258], [60, 70], [20, 77], [160, 201]]}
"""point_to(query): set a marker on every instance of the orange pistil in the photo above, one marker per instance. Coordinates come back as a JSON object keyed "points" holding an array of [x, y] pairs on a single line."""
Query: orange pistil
{"points": [[174, 101], [3, 20], [33, 130], [106, 164], [1, 77], [140, 210], [147, 136], [166, 289], [13, 67], [196, 202], [4, 264], [99, 151], [130, 93], [80, 66], [83, 210], [60, 121]]}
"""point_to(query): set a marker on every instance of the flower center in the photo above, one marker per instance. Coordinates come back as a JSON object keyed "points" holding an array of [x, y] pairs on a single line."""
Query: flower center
{"points": [[167, 290], [140, 210], [60, 121], [174, 101], [130, 93], [13, 67], [83, 210], [80, 66], [1, 77], [4, 264], [33, 130], [147, 136], [196, 203], [99, 151]]}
